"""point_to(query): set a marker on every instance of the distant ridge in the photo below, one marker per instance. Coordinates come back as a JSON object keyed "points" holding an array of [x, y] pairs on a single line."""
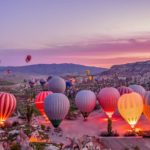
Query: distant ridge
{"points": [[55, 69], [129, 69]]}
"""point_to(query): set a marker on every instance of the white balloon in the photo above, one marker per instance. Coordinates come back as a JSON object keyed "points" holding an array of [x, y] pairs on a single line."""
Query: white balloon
{"points": [[138, 89], [85, 101], [57, 84], [56, 107]]}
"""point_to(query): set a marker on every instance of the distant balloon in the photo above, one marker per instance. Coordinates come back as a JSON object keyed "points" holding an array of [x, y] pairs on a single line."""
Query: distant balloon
{"points": [[7, 106], [31, 83], [28, 58], [124, 90], [42, 82], [87, 72], [56, 107], [85, 101], [68, 84], [146, 110], [130, 107], [39, 101], [49, 78], [108, 99], [138, 89], [57, 84]]}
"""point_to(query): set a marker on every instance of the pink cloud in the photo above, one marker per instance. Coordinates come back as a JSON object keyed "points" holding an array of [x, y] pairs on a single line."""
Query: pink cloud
{"points": [[100, 53]]}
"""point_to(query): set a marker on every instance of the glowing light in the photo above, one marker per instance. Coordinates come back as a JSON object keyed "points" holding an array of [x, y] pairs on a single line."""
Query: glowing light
{"points": [[130, 107]]}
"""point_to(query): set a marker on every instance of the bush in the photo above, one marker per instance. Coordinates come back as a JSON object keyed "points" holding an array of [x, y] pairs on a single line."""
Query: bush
{"points": [[113, 133]]}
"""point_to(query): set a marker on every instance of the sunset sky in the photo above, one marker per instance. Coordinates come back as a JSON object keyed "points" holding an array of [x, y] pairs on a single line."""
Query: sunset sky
{"points": [[96, 33]]}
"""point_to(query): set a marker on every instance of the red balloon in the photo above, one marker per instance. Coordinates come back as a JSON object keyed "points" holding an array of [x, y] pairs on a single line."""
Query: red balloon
{"points": [[108, 100], [28, 58], [7, 106], [124, 90], [39, 101]]}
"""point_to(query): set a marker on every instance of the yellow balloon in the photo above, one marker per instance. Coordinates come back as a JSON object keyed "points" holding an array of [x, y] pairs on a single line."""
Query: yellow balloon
{"points": [[130, 107], [90, 78], [87, 72]]}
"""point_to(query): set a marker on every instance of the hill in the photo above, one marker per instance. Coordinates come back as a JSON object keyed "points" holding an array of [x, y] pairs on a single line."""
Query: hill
{"points": [[55, 69], [130, 69]]}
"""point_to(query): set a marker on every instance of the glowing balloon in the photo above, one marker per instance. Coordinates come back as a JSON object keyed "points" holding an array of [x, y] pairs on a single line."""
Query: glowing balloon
{"points": [[108, 99], [56, 107], [90, 78], [85, 101], [57, 84], [28, 58], [39, 101], [146, 109], [130, 107], [7, 106], [138, 89], [124, 90]]}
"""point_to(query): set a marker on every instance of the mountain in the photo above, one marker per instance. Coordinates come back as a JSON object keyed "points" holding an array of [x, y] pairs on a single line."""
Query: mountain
{"points": [[54, 69], [130, 69]]}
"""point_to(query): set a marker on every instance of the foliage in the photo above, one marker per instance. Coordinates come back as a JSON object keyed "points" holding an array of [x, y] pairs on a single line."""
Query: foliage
{"points": [[38, 146], [15, 147]]}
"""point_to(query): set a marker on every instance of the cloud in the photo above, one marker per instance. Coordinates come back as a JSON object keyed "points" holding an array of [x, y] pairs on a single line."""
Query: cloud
{"points": [[103, 52]]}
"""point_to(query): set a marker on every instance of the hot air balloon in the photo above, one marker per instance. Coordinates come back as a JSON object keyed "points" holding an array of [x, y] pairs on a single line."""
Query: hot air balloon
{"points": [[108, 99], [39, 101], [87, 72], [57, 84], [138, 89], [130, 107], [28, 58], [7, 106], [85, 101], [146, 109], [124, 90], [31, 83], [56, 107], [42, 82]]}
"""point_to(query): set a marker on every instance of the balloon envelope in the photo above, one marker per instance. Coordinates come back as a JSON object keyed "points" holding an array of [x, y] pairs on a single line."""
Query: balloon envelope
{"points": [[108, 99], [138, 89], [85, 101], [7, 106], [146, 109], [56, 107], [130, 107], [42, 82], [28, 58], [124, 90], [39, 101], [57, 84]]}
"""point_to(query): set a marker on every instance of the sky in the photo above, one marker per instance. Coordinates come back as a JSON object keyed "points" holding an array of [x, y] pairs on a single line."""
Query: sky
{"points": [[97, 33]]}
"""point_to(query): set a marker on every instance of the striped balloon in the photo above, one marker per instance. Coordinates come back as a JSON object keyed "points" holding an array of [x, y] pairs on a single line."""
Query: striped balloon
{"points": [[146, 110], [39, 101], [7, 106], [85, 101], [130, 107], [124, 90], [56, 107], [138, 89], [108, 99]]}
